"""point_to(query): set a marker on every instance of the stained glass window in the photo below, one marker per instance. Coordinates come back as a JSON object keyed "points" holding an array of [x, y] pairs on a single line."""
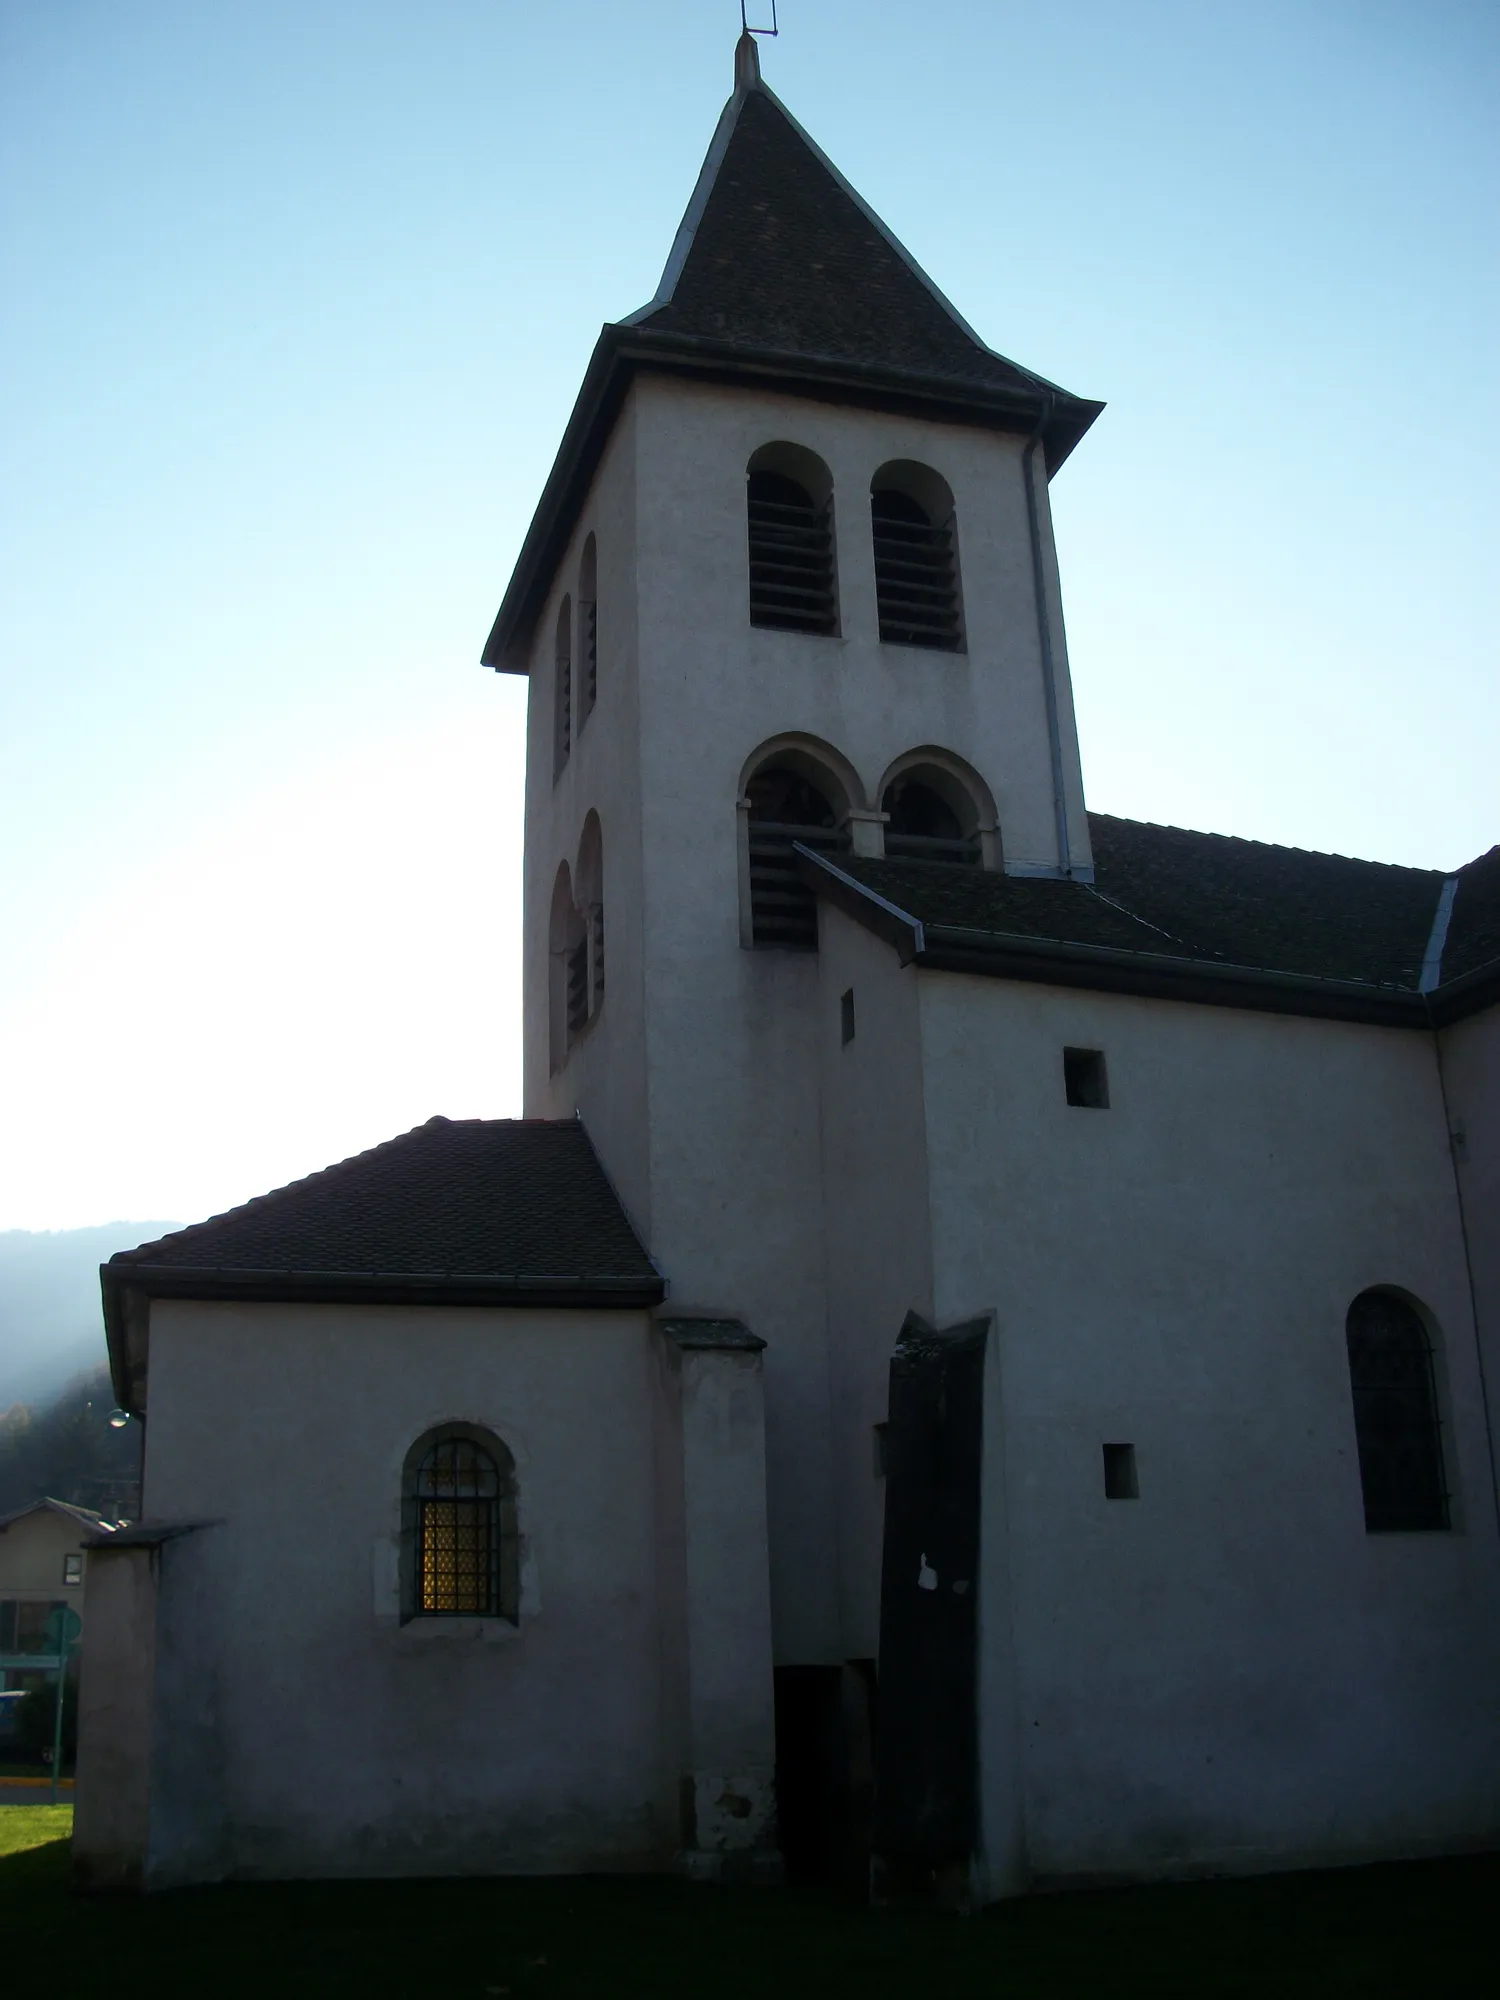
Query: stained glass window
{"points": [[458, 1531]]}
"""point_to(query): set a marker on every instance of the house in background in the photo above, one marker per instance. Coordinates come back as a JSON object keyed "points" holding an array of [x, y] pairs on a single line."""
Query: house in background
{"points": [[972, 1371], [43, 1569]]}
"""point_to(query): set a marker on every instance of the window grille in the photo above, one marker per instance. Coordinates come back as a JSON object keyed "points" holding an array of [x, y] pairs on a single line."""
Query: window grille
{"points": [[791, 556], [786, 807], [916, 578], [578, 987], [922, 826], [458, 1532], [1395, 1415]]}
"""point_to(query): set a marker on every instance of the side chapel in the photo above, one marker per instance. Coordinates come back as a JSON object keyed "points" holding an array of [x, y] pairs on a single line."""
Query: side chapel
{"points": [[971, 1371]]}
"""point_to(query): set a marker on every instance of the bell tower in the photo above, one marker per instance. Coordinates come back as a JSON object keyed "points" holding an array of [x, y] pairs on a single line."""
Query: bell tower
{"points": [[791, 579]]}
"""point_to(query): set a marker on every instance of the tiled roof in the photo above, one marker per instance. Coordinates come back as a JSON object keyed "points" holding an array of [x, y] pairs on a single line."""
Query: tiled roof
{"points": [[1210, 902], [455, 1198], [1474, 927], [85, 1517], [784, 257]]}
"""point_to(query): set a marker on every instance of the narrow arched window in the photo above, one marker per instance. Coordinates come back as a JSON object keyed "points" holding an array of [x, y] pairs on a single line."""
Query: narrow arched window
{"points": [[1395, 1415], [568, 968], [562, 686], [461, 1527], [916, 562], [786, 805], [588, 628], [590, 892], [923, 825], [789, 507]]}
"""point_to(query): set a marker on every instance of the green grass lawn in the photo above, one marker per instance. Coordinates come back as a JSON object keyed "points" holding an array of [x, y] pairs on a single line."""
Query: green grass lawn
{"points": [[1423, 1928]]}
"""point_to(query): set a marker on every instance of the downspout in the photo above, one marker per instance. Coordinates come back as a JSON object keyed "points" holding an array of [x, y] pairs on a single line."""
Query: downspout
{"points": [[1044, 635], [1431, 979]]}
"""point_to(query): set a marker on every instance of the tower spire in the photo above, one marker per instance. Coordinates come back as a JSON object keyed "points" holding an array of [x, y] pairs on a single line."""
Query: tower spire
{"points": [[746, 63]]}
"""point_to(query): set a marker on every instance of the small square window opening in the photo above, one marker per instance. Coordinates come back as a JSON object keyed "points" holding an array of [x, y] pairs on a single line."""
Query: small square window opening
{"points": [[846, 1016], [73, 1569], [1120, 1482], [1084, 1079]]}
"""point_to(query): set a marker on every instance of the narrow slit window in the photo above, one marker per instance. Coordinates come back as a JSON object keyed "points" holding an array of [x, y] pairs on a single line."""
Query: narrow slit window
{"points": [[1395, 1416], [588, 629], [1120, 1481], [563, 687], [578, 987], [791, 555], [846, 1016], [1085, 1082]]}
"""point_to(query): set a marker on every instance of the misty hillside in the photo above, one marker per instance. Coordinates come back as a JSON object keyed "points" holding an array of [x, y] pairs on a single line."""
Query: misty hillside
{"points": [[51, 1324]]}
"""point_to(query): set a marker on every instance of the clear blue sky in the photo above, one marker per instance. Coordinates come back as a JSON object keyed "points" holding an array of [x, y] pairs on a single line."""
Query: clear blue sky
{"points": [[296, 297]]}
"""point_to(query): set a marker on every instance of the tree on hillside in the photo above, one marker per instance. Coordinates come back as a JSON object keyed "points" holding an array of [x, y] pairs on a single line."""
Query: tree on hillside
{"points": [[65, 1449]]}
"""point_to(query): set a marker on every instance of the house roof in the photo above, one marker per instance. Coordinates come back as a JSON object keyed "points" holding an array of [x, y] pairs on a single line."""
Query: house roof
{"points": [[1202, 916], [85, 1517], [457, 1212], [781, 277]]}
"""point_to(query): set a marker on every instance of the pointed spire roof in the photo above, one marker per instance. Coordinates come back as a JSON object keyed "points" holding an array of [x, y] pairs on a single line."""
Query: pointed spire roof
{"points": [[781, 277], [778, 253]]}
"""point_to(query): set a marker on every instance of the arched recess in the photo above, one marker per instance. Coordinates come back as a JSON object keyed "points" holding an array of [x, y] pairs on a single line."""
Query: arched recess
{"points": [[1397, 1417], [938, 808], [588, 889], [588, 629], [567, 968], [562, 686], [460, 1545], [794, 789], [789, 516], [916, 557]]}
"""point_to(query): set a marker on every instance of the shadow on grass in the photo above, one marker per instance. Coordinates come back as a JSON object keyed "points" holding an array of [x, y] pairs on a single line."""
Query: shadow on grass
{"points": [[1399, 1931]]}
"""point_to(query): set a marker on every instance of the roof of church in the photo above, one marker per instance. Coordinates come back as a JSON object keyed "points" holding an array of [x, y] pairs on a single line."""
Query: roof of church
{"points": [[781, 277], [1203, 916], [472, 1211]]}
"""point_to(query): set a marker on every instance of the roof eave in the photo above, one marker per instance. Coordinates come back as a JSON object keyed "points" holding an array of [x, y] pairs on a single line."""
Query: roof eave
{"points": [[622, 349]]}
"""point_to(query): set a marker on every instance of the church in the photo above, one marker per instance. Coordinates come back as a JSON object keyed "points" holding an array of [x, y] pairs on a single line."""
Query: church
{"points": [[971, 1372]]}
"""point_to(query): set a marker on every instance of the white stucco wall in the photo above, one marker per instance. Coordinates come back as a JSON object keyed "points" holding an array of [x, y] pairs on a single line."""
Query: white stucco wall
{"points": [[699, 1080], [345, 1742], [1228, 1671]]}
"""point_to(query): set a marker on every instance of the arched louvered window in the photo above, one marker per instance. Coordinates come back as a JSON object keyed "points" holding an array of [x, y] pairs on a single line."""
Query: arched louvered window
{"points": [[461, 1527], [786, 805], [589, 888], [916, 562], [789, 507], [588, 629], [562, 686], [1395, 1415], [923, 825]]}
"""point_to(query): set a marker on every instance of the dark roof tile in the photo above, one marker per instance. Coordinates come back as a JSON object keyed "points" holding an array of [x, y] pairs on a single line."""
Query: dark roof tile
{"points": [[477, 1198], [1216, 900], [785, 258]]}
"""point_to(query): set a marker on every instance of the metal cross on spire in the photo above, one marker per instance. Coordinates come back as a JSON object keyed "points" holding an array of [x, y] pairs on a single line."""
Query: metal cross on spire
{"points": [[748, 27]]}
